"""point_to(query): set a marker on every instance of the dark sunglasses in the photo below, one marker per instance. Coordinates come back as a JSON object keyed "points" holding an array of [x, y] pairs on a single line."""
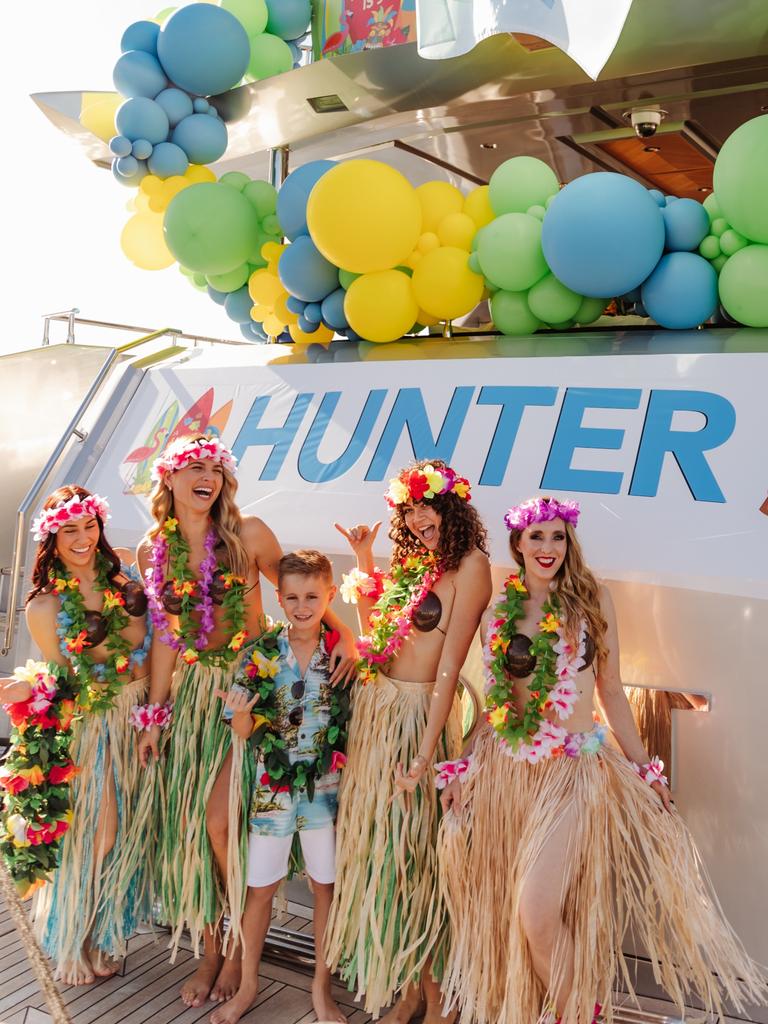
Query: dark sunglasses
{"points": [[298, 689], [296, 716]]}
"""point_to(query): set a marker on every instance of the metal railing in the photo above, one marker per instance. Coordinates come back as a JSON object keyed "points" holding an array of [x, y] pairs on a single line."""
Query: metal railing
{"points": [[71, 319]]}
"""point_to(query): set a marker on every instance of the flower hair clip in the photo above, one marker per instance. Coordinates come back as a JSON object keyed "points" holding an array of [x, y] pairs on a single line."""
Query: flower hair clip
{"points": [[541, 510], [414, 485], [179, 454], [51, 520]]}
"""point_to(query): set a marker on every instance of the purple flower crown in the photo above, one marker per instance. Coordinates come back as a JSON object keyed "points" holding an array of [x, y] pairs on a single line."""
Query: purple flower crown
{"points": [[541, 510]]}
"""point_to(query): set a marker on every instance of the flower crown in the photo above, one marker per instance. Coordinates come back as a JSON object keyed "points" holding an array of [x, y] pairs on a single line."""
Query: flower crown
{"points": [[425, 484], [50, 519], [541, 510], [179, 454]]}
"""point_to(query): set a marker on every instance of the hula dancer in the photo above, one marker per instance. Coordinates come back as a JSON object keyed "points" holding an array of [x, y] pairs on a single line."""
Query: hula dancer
{"points": [[202, 561], [388, 925], [557, 845], [87, 613]]}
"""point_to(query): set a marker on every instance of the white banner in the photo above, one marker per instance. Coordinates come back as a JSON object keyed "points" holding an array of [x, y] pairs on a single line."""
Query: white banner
{"points": [[587, 30], [664, 452]]}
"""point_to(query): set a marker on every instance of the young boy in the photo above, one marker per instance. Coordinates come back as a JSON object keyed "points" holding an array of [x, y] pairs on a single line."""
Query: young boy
{"points": [[291, 667]]}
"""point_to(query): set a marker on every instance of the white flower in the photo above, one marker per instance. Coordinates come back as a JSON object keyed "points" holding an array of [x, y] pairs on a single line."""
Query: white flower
{"points": [[355, 584]]}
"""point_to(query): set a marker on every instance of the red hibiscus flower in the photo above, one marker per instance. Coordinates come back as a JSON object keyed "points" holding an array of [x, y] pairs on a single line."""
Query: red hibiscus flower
{"points": [[331, 638], [418, 485], [18, 712], [61, 773], [14, 783], [338, 761]]}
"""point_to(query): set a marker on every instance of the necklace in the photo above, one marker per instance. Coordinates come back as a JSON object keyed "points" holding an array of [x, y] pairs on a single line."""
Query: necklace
{"points": [[404, 588], [530, 736], [194, 596]]}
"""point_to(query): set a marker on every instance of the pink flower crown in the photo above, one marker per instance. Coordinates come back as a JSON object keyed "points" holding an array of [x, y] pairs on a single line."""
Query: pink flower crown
{"points": [[414, 485], [541, 510], [50, 519], [179, 454]]}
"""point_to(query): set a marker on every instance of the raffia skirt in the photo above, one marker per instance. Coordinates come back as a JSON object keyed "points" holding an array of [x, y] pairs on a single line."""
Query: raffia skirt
{"points": [[187, 883], [631, 869], [95, 899], [388, 920]]}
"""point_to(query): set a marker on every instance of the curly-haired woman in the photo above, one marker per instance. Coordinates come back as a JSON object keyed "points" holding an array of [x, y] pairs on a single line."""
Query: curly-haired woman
{"points": [[388, 926], [557, 846], [86, 612]]}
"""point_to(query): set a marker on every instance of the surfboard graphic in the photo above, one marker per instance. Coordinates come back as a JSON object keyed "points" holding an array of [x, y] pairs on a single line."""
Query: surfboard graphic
{"points": [[218, 422], [143, 456], [195, 419]]}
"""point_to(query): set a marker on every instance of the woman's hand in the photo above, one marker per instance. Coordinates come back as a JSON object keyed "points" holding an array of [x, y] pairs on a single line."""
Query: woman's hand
{"points": [[240, 703], [407, 783], [662, 792], [343, 661], [360, 538], [14, 691], [451, 797], [149, 746]]}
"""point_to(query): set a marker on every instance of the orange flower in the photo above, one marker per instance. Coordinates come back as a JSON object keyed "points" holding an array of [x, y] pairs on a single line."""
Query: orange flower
{"points": [[190, 656], [238, 640], [121, 663], [113, 599], [549, 624], [77, 644], [184, 588], [66, 712]]}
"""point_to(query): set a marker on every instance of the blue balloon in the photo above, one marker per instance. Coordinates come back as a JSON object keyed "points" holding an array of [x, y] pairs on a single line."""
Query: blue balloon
{"points": [[308, 326], [201, 106], [167, 160], [142, 118], [602, 235], [295, 305], [120, 146], [176, 104], [203, 138], [658, 197], [127, 166], [295, 51], [138, 73], [305, 272], [333, 310], [294, 193], [313, 313], [142, 149], [682, 291], [218, 297], [203, 49], [130, 180], [686, 224], [141, 35], [252, 332], [288, 19], [238, 305]]}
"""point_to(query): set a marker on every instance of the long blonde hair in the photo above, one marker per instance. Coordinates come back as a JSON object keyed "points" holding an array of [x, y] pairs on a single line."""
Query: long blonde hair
{"points": [[225, 514], [577, 590]]}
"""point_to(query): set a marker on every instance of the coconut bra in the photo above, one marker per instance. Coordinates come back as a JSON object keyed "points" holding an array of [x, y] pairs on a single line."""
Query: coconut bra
{"points": [[428, 614], [521, 663]]}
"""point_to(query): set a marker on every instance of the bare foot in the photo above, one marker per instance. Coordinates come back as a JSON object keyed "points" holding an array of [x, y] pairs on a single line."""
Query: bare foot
{"points": [[195, 990], [104, 966], [325, 1007], [228, 980], [409, 1005], [77, 972], [232, 1011]]}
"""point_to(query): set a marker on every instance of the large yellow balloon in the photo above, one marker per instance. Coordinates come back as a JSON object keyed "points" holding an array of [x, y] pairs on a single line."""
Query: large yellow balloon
{"points": [[381, 306], [438, 199], [444, 285], [264, 288], [477, 205], [143, 243], [457, 229], [364, 216]]}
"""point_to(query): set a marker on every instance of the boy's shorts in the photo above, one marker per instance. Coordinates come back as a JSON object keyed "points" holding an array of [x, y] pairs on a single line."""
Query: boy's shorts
{"points": [[268, 856]]}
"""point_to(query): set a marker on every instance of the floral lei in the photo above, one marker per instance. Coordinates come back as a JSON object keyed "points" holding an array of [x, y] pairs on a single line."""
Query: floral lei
{"points": [[35, 775], [531, 736], [73, 634], [258, 673], [399, 593], [195, 596]]}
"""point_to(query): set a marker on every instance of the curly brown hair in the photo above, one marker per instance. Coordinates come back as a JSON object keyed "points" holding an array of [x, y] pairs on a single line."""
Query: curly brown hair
{"points": [[461, 528]]}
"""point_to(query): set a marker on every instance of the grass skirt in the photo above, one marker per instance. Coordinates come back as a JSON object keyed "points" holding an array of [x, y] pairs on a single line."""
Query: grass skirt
{"points": [[190, 891], [387, 919], [93, 899], [631, 869]]}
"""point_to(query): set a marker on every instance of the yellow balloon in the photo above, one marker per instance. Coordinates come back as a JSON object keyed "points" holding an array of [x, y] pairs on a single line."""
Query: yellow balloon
{"points": [[427, 242], [364, 216], [477, 205], [322, 335], [413, 259], [264, 288], [458, 230], [438, 199], [281, 310], [196, 174], [425, 319], [141, 203], [381, 306], [151, 185], [444, 285], [273, 325], [97, 113], [143, 243]]}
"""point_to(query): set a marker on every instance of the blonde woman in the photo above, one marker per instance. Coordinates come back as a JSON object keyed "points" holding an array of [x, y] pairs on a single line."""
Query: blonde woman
{"points": [[556, 844], [203, 561]]}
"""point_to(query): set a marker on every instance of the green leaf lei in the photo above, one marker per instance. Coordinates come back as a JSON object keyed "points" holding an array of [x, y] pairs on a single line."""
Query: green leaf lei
{"points": [[258, 673], [110, 674], [512, 728]]}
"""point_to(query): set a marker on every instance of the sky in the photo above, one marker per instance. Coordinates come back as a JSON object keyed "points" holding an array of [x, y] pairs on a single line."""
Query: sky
{"points": [[61, 215]]}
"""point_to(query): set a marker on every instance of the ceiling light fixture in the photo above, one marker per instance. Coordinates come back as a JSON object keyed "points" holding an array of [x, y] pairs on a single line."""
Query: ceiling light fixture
{"points": [[488, 145]]}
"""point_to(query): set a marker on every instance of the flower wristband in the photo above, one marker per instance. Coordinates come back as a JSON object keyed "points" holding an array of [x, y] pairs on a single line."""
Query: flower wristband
{"points": [[652, 772], [144, 716], [450, 771]]}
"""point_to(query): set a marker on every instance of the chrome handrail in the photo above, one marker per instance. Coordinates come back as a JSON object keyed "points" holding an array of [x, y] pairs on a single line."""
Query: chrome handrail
{"points": [[33, 494], [69, 317]]}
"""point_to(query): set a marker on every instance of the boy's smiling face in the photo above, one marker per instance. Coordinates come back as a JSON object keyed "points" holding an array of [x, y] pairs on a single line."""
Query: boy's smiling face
{"points": [[305, 599]]}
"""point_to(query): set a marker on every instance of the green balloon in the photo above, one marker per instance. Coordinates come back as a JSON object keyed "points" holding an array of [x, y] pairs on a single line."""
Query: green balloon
{"points": [[235, 179], [520, 183], [719, 262], [210, 228], [511, 314], [271, 224], [552, 302], [474, 263], [710, 247], [510, 252], [270, 55], [590, 310], [719, 226], [252, 14], [260, 239], [230, 281], [346, 277], [740, 179], [712, 207], [550, 201], [199, 281], [731, 241], [262, 196], [564, 326], [539, 212], [742, 286]]}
